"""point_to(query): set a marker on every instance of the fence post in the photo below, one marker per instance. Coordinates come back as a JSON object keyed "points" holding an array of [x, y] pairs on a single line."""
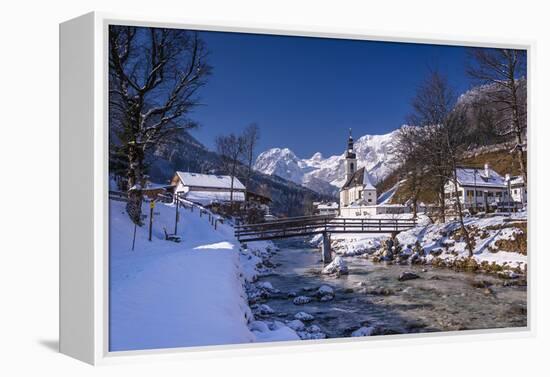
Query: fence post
{"points": [[152, 207], [177, 215]]}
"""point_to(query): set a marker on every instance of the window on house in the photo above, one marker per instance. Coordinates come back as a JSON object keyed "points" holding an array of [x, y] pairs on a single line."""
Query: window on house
{"points": [[370, 200], [360, 194], [499, 194], [479, 193], [470, 193], [490, 194], [351, 166]]}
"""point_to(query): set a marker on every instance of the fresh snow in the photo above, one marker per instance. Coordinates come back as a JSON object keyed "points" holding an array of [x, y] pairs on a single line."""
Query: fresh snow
{"points": [[435, 237], [337, 266], [165, 294], [386, 196]]}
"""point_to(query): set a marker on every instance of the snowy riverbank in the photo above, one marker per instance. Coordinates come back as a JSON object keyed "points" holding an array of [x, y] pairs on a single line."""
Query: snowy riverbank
{"points": [[499, 244], [193, 293]]}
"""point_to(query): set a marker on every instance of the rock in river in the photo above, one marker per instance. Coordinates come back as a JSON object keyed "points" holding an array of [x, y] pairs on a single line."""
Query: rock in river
{"points": [[325, 290], [296, 325], [301, 300], [407, 275], [303, 316], [337, 266], [363, 331]]}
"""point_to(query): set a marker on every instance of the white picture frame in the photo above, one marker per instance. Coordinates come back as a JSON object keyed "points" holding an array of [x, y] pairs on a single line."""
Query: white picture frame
{"points": [[84, 192]]}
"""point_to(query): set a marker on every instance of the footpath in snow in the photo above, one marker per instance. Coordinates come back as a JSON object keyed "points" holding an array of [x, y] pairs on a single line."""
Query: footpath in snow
{"points": [[166, 294]]}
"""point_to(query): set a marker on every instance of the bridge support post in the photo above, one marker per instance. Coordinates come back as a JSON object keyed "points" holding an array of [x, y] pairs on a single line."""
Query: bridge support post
{"points": [[326, 252]]}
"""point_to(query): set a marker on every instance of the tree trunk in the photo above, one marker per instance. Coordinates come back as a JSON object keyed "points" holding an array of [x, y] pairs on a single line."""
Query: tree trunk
{"points": [[442, 201], [517, 128], [135, 181], [521, 157], [231, 191], [461, 218]]}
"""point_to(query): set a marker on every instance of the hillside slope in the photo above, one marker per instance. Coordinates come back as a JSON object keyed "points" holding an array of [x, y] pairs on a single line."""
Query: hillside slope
{"points": [[498, 157]]}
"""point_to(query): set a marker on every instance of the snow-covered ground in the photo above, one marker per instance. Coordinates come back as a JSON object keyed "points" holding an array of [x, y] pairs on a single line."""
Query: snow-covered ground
{"points": [[166, 294], [499, 243]]}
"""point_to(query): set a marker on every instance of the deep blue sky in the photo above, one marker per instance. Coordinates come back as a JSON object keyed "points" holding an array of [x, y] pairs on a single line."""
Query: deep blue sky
{"points": [[306, 92]]}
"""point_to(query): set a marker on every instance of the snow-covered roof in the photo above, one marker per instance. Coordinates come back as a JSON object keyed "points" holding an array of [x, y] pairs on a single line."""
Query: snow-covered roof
{"points": [[516, 181], [209, 180], [366, 181], [480, 177], [332, 205], [360, 177]]}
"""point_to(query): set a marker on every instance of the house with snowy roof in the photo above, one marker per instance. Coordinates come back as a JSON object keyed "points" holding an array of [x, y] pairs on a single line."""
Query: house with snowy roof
{"points": [[326, 208], [207, 189], [481, 188]]}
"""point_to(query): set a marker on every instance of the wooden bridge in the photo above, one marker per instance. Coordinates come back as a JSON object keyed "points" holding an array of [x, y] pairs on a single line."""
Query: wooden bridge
{"points": [[325, 225]]}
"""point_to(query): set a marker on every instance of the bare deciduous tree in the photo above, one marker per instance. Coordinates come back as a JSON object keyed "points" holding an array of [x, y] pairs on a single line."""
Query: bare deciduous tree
{"points": [[230, 148], [154, 75], [411, 163], [505, 70], [431, 105], [251, 135], [440, 138]]}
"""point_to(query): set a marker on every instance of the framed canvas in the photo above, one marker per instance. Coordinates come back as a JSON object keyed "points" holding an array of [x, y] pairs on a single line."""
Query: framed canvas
{"points": [[230, 189]]}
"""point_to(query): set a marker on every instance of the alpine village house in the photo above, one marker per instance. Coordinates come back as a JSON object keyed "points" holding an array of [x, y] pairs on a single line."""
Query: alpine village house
{"points": [[206, 189]]}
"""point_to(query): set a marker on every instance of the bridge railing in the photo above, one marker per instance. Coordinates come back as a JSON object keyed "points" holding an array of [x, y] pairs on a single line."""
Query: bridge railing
{"points": [[314, 225]]}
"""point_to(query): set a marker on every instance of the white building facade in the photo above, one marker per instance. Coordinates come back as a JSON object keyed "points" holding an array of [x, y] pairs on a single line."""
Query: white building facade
{"points": [[358, 195], [518, 191], [206, 189], [480, 188], [326, 209]]}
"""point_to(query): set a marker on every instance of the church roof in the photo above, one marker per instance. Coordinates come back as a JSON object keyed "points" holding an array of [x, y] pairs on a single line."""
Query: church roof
{"points": [[360, 177]]}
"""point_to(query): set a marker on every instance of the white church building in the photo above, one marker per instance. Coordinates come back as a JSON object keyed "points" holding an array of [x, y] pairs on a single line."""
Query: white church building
{"points": [[358, 196]]}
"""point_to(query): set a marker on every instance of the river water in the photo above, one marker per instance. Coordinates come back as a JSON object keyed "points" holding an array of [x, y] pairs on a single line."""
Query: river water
{"points": [[371, 295]]}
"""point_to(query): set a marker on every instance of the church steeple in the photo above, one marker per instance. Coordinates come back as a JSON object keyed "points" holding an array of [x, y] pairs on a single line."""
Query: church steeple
{"points": [[350, 164]]}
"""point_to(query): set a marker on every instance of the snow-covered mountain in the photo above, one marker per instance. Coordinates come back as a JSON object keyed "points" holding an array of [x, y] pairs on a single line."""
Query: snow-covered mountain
{"points": [[326, 175]]}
